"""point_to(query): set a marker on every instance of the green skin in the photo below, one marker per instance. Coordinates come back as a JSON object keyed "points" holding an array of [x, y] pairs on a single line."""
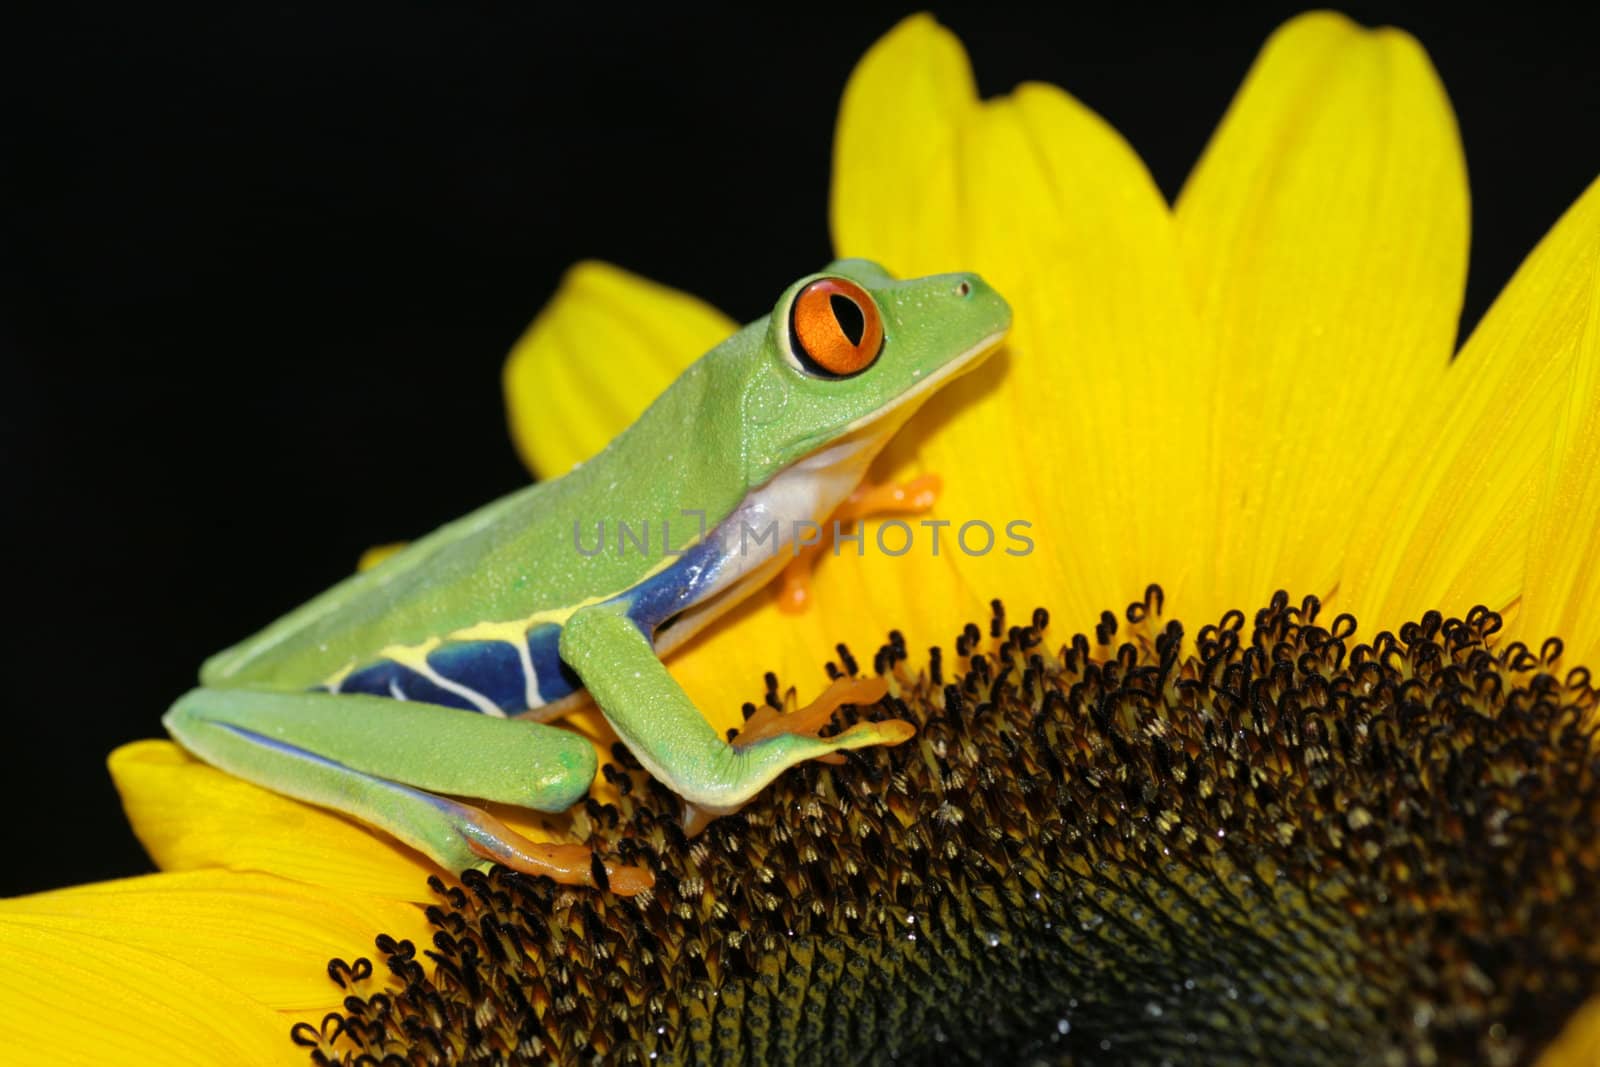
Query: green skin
{"points": [[746, 426]]}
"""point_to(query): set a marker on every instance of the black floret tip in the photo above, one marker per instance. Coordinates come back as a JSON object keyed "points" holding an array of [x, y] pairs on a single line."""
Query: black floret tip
{"points": [[1273, 846]]}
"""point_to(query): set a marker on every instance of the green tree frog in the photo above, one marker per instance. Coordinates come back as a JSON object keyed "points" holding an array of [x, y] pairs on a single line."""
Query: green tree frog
{"points": [[429, 678]]}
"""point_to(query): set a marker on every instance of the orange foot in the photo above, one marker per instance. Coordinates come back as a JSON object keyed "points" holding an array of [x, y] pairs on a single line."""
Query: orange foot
{"points": [[917, 495], [768, 722], [493, 840], [809, 720]]}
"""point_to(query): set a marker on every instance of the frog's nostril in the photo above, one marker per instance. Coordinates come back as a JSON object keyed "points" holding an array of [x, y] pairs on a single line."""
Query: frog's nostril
{"points": [[964, 289]]}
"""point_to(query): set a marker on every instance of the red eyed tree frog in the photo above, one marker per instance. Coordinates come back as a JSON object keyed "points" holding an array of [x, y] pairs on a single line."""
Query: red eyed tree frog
{"points": [[427, 677]]}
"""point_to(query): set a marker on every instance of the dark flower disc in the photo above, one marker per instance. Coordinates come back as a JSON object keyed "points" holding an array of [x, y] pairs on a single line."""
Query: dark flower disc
{"points": [[1279, 847]]}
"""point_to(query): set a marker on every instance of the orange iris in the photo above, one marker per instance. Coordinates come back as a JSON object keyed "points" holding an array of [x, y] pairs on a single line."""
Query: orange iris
{"points": [[836, 326]]}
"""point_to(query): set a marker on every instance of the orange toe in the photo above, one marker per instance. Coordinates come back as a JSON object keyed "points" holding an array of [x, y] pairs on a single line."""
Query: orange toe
{"points": [[769, 722]]}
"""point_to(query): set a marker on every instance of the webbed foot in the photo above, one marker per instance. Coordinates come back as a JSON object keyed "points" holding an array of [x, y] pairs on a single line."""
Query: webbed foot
{"points": [[799, 730]]}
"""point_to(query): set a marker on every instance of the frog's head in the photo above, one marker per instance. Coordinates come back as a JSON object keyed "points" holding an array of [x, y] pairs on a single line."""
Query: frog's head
{"points": [[850, 353]]}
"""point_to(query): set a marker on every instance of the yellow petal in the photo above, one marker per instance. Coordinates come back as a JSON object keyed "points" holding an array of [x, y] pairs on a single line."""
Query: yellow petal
{"points": [[76, 998], [1050, 204], [377, 554], [1451, 520], [1083, 427], [188, 816], [266, 938], [902, 108], [1562, 591], [1324, 232], [1579, 1042], [855, 601], [597, 355]]}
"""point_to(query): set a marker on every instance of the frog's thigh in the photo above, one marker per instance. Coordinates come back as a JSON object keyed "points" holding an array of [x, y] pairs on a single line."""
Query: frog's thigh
{"points": [[657, 721], [442, 750]]}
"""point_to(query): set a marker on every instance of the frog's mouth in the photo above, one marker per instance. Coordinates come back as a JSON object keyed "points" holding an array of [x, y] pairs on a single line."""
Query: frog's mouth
{"points": [[867, 435], [906, 404]]}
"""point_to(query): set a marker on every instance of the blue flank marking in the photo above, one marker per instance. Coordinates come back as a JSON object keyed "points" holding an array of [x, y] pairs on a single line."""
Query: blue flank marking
{"points": [[494, 669], [660, 597], [375, 680], [556, 679]]}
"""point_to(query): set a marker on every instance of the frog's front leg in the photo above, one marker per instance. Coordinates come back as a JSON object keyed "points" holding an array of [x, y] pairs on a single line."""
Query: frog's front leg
{"points": [[657, 721], [869, 500], [382, 762]]}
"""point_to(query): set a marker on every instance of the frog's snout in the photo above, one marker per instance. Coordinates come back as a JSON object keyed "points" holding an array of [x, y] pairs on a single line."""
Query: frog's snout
{"points": [[972, 290]]}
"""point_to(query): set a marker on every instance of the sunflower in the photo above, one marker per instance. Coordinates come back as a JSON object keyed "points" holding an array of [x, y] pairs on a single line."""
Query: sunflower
{"points": [[1254, 389]]}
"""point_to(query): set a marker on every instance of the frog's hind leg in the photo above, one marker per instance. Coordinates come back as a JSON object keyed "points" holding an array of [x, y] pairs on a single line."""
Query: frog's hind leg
{"points": [[658, 722], [382, 762]]}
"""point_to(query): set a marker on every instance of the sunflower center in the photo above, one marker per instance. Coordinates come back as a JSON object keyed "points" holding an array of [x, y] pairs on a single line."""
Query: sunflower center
{"points": [[1284, 847]]}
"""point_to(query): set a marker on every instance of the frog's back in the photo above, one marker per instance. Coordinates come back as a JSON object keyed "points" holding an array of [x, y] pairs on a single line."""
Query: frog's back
{"points": [[469, 615], [498, 565]]}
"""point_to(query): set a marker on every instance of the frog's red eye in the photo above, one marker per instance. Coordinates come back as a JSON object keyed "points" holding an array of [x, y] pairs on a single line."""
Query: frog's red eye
{"points": [[835, 329]]}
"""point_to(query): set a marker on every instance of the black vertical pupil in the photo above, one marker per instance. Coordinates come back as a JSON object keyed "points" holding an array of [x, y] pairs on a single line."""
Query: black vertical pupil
{"points": [[848, 316]]}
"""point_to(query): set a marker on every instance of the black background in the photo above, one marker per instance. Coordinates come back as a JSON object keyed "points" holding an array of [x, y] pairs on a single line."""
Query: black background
{"points": [[261, 268]]}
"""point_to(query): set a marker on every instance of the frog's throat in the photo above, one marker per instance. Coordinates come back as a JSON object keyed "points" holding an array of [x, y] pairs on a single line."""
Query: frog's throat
{"points": [[807, 491]]}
